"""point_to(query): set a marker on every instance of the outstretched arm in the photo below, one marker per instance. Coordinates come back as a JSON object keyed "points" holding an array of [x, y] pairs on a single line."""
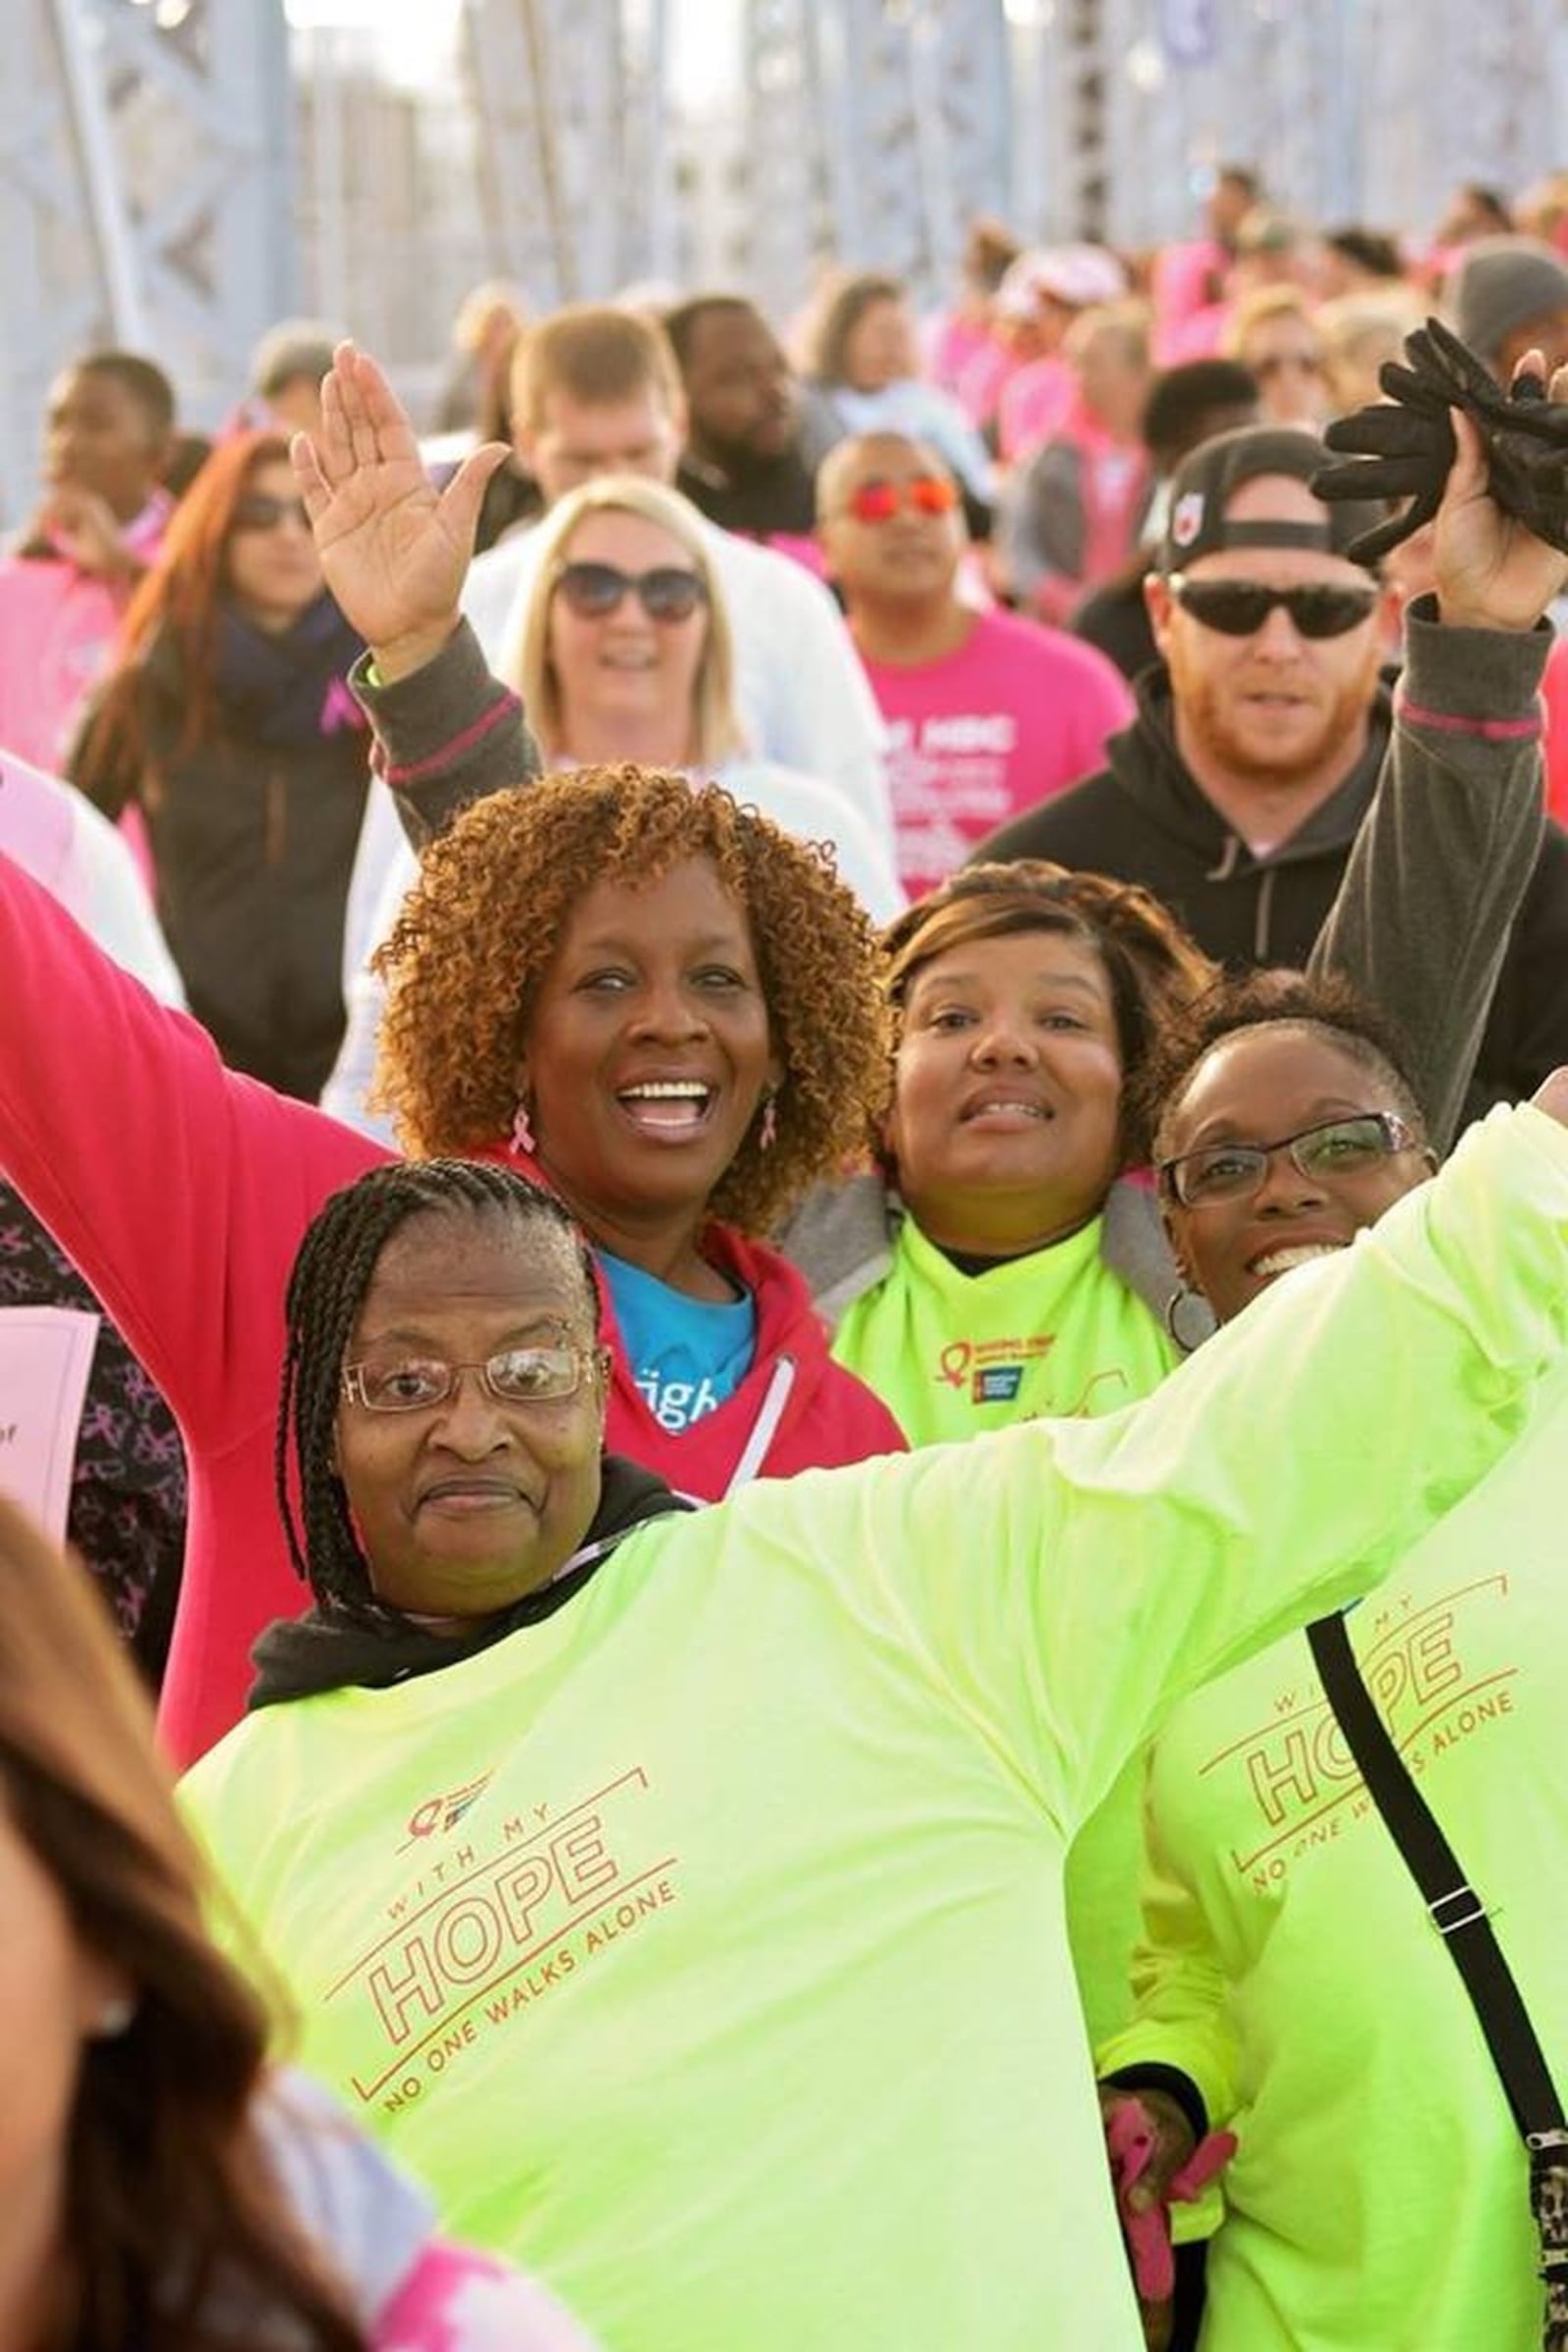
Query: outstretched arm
{"points": [[1426, 908]]}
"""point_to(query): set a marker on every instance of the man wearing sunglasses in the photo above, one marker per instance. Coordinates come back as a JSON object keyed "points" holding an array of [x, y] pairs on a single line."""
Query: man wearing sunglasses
{"points": [[1239, 790], [985, 711]]}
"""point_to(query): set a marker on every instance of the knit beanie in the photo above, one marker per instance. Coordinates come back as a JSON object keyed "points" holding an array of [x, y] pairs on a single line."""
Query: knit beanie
{"points": [[1500, 284]]}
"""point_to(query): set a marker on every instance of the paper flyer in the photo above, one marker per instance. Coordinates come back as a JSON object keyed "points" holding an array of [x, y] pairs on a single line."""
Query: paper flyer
{"points": [[45, 1357]]}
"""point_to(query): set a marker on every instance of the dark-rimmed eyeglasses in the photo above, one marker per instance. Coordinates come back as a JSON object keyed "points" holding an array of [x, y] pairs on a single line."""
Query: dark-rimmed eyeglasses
{"points": [[413, 1384], [667, 593], [259, 511], [1334, 1148], [1239, 608], [878, 501]]}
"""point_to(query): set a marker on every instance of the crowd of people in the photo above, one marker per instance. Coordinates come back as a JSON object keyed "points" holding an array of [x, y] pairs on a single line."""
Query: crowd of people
{"points": [[784, 1214]]}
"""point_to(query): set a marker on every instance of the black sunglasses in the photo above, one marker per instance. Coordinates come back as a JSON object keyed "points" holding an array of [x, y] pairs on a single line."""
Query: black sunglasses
{"points": [[666, 593], [1239, 608]]}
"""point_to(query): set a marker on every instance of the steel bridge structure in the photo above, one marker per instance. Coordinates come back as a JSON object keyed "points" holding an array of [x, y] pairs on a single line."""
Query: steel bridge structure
{"points": [[151, 167]]}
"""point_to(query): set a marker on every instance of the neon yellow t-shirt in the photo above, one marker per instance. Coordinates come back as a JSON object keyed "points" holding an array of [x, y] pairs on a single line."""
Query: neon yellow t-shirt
{"points": [[1379, 2194], [1055, 1334], [703, 1944]]}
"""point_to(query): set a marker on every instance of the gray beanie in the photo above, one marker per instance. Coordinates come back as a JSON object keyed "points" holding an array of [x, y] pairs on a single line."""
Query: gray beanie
{"points": [[1500, 284]]}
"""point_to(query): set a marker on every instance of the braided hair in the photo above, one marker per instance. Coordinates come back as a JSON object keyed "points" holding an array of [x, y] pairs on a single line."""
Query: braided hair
{"points": [[326, 1289]]}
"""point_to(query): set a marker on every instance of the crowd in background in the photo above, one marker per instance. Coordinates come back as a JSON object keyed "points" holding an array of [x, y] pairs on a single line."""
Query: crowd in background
{"points": [[874, 894]]}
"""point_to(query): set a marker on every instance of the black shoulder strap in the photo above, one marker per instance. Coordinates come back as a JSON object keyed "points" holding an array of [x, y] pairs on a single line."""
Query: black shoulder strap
{"points": [[1456, 1911]]}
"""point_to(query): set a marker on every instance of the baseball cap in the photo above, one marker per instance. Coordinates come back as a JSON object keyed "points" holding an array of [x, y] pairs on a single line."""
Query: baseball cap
{"points": [[1208, 478], [1076, 276]]}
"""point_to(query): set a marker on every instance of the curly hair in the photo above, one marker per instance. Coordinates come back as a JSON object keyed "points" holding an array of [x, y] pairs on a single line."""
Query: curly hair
{"points": [[1155, 969], [479, 930], [1330, 1007]]}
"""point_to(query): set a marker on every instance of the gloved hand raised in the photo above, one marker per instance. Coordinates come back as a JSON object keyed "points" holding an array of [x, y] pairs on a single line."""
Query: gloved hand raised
{"points": [[1404, 446]]}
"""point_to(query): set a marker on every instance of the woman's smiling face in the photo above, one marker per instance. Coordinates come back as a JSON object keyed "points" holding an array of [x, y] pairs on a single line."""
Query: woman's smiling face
{"points": [[1279, 1079], [647, 1052], [1008, 1092], [625, 665], [463, 1507]]}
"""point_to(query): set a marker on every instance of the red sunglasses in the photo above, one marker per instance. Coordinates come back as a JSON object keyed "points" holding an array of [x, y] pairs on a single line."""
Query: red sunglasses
{"points": [[879, 501]]}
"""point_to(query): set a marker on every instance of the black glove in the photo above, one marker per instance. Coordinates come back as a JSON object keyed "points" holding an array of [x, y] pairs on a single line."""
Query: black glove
{"points": [[1405, 444]]}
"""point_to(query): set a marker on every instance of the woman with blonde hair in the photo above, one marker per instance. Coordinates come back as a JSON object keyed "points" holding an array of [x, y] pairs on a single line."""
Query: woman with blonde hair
{"points": [[1273, 330], [159, 2185]]}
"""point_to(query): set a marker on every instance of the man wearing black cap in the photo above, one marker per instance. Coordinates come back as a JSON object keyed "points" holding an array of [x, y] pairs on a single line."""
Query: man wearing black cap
{"points": [[1238, 792]]}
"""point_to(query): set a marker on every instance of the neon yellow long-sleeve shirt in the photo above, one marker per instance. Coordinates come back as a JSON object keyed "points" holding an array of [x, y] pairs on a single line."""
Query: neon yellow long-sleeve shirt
{"points": [[703, 1944]]}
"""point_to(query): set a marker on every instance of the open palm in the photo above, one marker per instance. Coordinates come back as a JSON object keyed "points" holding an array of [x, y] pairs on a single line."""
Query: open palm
{"points": [[393, 548]]}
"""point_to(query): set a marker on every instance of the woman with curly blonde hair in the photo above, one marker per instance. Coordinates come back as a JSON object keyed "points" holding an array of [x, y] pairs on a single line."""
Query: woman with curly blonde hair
{"points": [[653, 998], [624, 654]]}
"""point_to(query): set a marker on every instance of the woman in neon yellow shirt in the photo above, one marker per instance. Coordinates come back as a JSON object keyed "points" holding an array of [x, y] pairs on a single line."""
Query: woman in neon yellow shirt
{"points": [[1290, 1973]]}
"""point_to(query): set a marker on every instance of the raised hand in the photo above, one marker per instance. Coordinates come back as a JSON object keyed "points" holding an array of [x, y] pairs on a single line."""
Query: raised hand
{"points": [[1488, 468], [393, 548], [1490, 567], [84, 527]]}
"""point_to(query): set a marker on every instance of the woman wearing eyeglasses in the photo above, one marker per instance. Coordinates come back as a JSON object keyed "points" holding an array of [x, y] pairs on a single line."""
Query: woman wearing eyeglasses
{"points": [[228, 723], [1292, 1983]]}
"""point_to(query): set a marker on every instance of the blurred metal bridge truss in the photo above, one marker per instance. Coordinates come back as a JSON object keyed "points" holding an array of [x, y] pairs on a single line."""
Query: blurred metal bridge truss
{"points": [[145, 145], [143, 192]]}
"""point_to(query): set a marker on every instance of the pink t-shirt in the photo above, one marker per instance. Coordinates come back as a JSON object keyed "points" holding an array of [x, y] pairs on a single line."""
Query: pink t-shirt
{"points": [[1033, 406], [985, 377], [57, 626], [1015, 714], [57, 633]]}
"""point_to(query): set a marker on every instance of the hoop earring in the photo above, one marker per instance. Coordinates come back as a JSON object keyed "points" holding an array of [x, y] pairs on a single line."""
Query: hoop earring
{"points": [[1189, 1318], [522, 1145]]}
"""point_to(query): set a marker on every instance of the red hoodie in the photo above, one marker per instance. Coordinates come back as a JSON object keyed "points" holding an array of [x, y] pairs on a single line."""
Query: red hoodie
{"points": [[182, 1192], [795, 1410]]}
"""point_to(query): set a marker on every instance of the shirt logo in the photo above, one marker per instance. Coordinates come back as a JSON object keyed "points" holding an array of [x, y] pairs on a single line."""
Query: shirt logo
{"points": [[991, 1370], [439, 1814]]}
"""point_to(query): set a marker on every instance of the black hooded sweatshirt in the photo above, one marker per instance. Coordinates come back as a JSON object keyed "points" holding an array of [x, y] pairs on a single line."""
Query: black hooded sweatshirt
{"points": [[332, 1649], [1144, 819]]}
